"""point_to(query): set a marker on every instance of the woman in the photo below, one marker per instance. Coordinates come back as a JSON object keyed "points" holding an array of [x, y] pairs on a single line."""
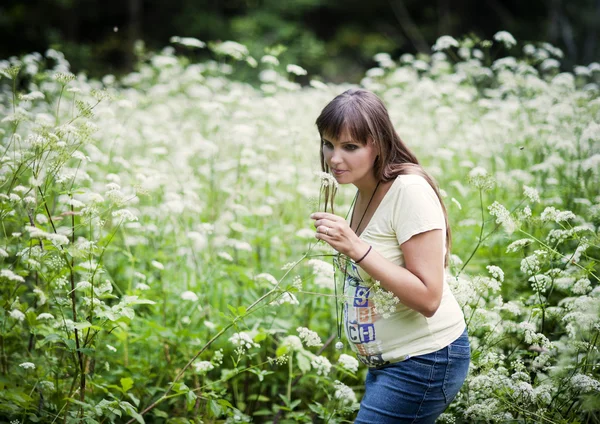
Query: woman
{"points": [[418, 355]]}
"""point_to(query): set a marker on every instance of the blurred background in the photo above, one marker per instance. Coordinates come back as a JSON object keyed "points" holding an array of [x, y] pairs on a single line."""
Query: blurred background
{"points": [[332, 38]]}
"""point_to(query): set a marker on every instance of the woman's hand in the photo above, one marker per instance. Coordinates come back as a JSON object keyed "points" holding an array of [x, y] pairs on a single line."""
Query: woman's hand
{"points": [[335, 231]]}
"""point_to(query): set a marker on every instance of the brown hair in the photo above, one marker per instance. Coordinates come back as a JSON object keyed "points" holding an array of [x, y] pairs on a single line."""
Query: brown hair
{"points": [[364, 116]]}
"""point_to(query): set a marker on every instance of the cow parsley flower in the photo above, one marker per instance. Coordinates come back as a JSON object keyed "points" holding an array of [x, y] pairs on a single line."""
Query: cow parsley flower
{"points": [[515, 246], [503, 216], [384, 301], [189, 295], [505, 38], [295, 69], [44, 315], [496, 272], [530, 265], [267, 277], [344, 393], [188, 42], [157, 265], [27, 365], [17, 315], [349, 363], [531, 193], [243, 340], [9, 275], [202, 367], [584, 383], [309, 337], [444, 42], [321, 365]]}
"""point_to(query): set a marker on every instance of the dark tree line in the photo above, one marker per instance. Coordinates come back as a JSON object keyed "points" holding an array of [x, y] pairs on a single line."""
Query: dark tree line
{"points": [[334, 38]]}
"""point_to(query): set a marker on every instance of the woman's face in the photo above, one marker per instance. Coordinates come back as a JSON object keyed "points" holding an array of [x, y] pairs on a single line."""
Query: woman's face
{"points": [[350, 162]]}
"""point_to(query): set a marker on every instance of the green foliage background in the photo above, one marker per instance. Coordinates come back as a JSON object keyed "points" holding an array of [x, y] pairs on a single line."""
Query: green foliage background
{"points": [[333, 38]]}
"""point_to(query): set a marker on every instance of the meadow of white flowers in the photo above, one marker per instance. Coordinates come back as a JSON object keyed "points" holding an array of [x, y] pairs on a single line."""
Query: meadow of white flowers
{"points": [[158, 261]]}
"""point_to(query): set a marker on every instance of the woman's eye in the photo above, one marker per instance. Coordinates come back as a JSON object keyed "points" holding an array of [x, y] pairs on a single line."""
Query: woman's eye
{"points": [[327, 144], [351, 147]]}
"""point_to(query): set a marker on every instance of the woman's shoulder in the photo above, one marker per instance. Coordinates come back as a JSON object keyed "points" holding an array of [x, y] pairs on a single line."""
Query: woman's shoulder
{"points": [[411, 179]]}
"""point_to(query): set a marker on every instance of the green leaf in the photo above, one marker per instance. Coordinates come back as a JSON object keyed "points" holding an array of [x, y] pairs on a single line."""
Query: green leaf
{"points": [[191, 399], [126, 383], [303, 362], [282, 350], [127, 407], [135, 400], [260, 337], [82, 325]]}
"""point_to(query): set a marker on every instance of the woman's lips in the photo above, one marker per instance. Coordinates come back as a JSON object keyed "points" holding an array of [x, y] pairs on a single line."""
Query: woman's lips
{"points": [[337, 171]]}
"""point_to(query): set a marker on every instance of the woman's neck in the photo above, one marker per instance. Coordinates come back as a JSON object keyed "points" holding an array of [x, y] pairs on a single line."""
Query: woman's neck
{"points": [[366, 186]]}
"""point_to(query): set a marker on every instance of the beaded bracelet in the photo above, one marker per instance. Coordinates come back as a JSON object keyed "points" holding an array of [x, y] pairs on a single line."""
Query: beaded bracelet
{"points": [[364, 256]]}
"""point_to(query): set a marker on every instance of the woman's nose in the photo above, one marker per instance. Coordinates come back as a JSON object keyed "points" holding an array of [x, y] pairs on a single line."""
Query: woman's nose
{"points": [[336, 157]]}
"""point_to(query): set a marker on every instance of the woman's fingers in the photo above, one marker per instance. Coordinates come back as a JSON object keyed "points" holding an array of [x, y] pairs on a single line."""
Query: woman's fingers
{"points": [[326, 215]]}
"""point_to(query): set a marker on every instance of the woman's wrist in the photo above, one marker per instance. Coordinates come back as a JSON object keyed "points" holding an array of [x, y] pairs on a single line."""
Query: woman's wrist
{"points": [[359, 251]]}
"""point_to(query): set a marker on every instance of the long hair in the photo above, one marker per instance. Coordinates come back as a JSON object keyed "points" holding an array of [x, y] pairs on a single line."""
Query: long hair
{"points": [[364, 116]]}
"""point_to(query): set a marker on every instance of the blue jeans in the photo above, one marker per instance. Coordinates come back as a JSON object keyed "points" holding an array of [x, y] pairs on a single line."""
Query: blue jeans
{"points": [[417, 390]]}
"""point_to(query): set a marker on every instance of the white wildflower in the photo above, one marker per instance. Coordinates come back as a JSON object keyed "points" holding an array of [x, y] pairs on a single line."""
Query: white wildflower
{"points": [[243, 340], [444, 42], [17, 315], [496, 272], [531, 193], [189, 295], [505, 38], [318, 84], [515, 246], [321, 365], [9, 275], [540, 282], [111, 348], [125, 215], [345, 394], [349, 363], [44, 315], [584, 383], [231, 48], [3, 253], [530, 265], [269, 60], [305, 233], [502, 216], [384, 301], [309, 337], [157, 265], [226, 256], [295, 69], [293, 342], [267, 277], [286, 297], [188, 42], [582, 286], [27, 365], [202, 367], [323, 272]]}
